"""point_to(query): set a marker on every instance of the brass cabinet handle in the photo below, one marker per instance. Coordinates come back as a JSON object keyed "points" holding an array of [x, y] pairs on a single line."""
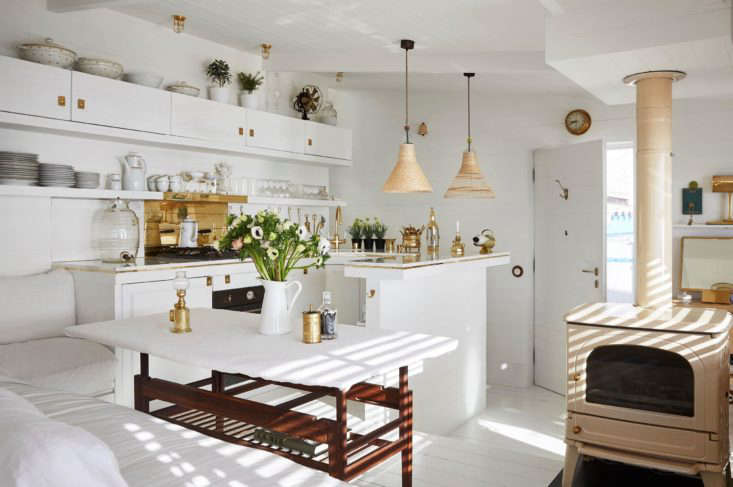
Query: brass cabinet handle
{"points": [[576, 377], [371, 293], [171, 315], [310, 141], [577, 429], [593, 271], [227, 279], [209, 280], [61, 100], [251, 132], [241, 131], [81, 103]]}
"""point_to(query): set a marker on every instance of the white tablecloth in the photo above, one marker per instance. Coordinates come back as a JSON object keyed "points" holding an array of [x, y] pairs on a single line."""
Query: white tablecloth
{"points": [[228, 341]]}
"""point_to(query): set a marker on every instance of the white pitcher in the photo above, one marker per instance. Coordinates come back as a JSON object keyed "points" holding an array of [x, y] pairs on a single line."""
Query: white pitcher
{"points": [[276, 307], [133, 172]]}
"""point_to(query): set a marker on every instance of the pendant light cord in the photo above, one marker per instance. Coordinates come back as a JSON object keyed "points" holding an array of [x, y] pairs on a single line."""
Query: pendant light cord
{"points": [[468, 79], [407, 106]]}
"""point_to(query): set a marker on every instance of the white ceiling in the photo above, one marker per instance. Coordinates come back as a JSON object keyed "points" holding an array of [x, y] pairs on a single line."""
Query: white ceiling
{"points": [[515, 45], [356, 25]]}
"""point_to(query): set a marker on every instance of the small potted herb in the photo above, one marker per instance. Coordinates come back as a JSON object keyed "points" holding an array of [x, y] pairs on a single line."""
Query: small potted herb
{"points": [[355, 231], [249, 83], [220, 74], [368, 235], [379, 229]]}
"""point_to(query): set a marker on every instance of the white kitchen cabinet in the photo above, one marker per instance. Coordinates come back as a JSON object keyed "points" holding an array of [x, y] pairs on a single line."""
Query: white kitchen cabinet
{"points": [[146, 298], [273, 131], [34, 89], [314, 283], [327, 141], [348, 294], [112, 103], [198, 118]]}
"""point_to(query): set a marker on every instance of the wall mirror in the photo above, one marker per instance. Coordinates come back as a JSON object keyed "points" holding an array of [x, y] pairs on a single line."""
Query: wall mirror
{"points": [[707, 263]]}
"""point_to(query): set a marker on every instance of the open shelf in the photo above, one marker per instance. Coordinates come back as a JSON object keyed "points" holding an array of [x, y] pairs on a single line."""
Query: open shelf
{"points": [[78, 193], [698, 226], [266, 200], [42, 124]]}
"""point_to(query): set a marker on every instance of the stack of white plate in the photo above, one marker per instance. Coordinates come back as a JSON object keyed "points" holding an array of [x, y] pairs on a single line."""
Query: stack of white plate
{"points": [[18, 169], [88, 180], [57, 175]]}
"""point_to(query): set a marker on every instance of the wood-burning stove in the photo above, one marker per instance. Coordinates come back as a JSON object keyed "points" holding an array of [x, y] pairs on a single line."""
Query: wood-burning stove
{"points": [[648, 386]]}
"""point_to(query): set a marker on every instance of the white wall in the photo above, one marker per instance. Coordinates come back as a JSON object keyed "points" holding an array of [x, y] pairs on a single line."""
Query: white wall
{"points": [[506, 129], [138, 45]]}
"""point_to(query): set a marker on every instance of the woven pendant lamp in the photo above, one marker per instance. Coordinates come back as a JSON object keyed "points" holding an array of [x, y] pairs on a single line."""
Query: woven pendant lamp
{"points": [[407, 175], [469, 182]]}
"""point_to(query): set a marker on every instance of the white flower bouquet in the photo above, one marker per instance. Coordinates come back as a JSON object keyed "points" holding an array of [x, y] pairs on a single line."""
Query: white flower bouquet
{"points": [[275, 246]]}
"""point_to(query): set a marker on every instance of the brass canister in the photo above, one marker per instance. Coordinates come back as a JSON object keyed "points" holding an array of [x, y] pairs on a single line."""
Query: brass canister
{"points": [[311, 326]]}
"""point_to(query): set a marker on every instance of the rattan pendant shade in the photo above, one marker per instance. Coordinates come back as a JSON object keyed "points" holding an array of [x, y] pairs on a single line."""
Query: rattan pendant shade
{"points": [[470, 181], [407, 176]]}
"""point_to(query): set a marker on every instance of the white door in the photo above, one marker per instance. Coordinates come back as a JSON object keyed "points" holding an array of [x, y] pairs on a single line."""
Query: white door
{"points": [[327, 141], [113, 103], [198, 118], [569, 248], [34, 89], [272, 131]]}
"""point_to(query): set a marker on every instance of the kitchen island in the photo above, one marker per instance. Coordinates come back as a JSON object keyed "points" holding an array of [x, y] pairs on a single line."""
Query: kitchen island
{"points": [[436, 295]]}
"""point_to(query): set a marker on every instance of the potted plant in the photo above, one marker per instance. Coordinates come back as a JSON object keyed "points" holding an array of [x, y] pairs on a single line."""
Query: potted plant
{"points": [[219, 73], [379, 229], [368, 235], [355, 231], [249, 83], [276, 247]]}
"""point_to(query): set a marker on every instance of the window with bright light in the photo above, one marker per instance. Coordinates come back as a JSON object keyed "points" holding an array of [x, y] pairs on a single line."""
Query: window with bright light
{"points": [[620, 223]]}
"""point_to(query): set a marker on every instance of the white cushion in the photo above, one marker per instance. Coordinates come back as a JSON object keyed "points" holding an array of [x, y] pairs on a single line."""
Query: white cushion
{"points": [[38, 306], [66, 364], [36, 451]]}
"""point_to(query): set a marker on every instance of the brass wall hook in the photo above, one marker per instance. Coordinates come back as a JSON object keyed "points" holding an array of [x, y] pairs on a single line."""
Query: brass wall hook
{"points": [[565, 193]]}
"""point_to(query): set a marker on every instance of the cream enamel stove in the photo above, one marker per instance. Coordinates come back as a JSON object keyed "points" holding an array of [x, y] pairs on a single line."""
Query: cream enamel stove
{"points": [[648, 387]]}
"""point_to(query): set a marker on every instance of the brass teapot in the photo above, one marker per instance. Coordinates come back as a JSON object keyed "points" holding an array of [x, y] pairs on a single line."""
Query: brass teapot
{"points": [[411, 238]]}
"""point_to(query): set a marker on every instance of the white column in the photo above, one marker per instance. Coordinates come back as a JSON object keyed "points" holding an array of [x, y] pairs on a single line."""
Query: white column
{"points": [[653, 186]]}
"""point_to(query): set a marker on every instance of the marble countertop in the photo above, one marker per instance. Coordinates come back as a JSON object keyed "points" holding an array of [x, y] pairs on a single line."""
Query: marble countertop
{"points": [[139, 265], [410, 261]]}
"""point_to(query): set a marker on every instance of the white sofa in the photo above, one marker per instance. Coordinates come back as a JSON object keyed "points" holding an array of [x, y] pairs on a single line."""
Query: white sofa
{"points": [[34, 310], [154, 453]]}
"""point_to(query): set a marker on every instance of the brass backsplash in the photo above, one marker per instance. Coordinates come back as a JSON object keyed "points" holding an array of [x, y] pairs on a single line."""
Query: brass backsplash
{"points": [[162, 219]]}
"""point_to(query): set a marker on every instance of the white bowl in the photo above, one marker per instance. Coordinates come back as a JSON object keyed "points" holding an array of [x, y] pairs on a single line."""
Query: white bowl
{"points": [[151, 80], [48, 53], [99, 67], [183, 88]]}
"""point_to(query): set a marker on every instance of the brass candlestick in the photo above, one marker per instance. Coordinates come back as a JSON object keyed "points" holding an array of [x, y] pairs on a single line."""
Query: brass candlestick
{"points": [[457, 248], [180, 314]]}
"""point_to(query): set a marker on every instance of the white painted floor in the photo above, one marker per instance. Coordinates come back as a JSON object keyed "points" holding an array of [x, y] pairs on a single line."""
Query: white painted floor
{"points": [[516, 442]]}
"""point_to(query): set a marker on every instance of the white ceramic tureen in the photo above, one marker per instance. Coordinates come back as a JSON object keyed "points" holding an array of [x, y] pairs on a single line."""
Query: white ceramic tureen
{"points": [[99, 67], [47, 52], [183, 88]]}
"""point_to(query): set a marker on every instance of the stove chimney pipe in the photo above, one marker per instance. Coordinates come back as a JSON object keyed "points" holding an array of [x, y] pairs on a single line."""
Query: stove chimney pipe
{"points": [[653, 186]]}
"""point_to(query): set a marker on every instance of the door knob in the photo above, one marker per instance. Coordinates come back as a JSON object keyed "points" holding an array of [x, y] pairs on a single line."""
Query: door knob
{"points": [[577, 429], [593, 271]]}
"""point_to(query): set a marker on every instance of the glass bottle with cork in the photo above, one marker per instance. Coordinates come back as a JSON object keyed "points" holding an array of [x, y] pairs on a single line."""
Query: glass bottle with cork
{"points": [[328, 317]]}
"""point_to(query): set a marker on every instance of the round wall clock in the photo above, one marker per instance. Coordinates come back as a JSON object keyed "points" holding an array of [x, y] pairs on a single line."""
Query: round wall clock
{"points": [[577, 122]]}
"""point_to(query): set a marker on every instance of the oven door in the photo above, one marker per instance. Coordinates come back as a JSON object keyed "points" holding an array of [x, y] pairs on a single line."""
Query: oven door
{"points": [[644, 377]]}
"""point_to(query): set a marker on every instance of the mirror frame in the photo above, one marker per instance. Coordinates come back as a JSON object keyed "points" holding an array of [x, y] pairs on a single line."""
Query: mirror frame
{"points": [[682, 257]]}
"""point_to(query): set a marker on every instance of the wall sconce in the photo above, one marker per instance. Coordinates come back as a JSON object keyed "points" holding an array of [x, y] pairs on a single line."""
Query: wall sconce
{"points": [[266, 50], [179, 22]]}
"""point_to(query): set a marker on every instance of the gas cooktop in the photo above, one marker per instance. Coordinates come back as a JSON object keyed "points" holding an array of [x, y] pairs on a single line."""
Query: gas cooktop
{"points": [[167, 255]]}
